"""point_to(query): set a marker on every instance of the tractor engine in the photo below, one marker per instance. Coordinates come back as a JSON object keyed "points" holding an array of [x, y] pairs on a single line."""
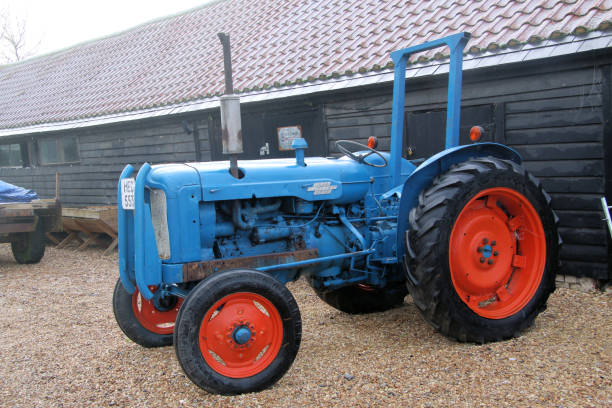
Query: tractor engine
{"points": [[326, 220]]}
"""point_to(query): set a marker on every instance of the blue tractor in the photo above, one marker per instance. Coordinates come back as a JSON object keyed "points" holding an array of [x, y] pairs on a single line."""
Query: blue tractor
{"points": [[206, 248]]}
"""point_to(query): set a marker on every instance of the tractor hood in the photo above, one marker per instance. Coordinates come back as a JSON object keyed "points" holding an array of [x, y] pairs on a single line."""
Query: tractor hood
{"points": [[342, 180], [320, 179]]}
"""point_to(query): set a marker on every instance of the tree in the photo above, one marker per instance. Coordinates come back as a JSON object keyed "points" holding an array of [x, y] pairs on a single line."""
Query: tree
{"points": [[13, 38]]}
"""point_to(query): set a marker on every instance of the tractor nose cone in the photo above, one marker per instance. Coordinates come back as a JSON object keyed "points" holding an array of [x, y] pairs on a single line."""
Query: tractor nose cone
{"points": [[242, 335]]}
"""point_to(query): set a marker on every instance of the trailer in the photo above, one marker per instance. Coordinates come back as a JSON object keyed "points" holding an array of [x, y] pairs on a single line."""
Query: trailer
{"points": [[25, 226]]}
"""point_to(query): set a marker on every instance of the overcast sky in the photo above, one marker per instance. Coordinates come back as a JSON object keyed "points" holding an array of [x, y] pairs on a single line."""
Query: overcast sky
{"points": [[57, 24]]}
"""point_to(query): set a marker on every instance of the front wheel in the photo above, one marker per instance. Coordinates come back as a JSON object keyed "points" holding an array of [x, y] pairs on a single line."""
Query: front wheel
{"points": [[145, 322], [238, 331], [482, 251]]}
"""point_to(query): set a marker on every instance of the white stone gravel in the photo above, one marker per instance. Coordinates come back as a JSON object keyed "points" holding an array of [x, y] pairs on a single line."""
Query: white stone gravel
{"points": [[60, 347]]}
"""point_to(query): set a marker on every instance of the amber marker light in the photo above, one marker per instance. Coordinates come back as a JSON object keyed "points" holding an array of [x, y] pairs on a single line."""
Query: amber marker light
{"points": [[476, 133], [372, 142]]}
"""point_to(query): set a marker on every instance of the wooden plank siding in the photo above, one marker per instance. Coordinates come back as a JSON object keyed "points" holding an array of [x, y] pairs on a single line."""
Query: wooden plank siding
{"points": [[105, 150]]}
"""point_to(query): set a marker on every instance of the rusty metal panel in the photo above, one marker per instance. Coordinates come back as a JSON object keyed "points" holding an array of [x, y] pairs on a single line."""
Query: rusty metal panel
{"points": [[199, 270]]}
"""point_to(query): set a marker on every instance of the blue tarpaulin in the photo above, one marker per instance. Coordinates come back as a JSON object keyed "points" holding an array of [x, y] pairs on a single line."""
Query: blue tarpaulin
{"points": [[13, 194]]}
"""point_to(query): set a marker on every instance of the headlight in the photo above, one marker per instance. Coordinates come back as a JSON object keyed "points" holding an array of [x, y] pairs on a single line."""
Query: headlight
{"points": [[159, 216]]}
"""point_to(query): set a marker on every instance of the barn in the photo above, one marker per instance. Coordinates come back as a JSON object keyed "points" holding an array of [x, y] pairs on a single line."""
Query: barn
{"points": [[537, 77]]}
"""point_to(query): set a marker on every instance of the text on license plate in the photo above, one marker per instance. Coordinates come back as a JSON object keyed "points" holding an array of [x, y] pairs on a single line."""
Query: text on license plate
{"points": [[127, 193]]}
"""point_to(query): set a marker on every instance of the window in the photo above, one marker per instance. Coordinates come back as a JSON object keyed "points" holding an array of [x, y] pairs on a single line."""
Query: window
{"points": [[10, 155], [58, 150]]}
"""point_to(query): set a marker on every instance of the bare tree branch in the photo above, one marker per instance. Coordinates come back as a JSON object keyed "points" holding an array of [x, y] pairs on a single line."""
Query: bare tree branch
{"points": [[13, 38]]}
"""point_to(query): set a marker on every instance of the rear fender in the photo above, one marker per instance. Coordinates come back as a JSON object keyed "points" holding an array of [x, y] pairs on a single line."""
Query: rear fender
{"points": [[438, 164]]}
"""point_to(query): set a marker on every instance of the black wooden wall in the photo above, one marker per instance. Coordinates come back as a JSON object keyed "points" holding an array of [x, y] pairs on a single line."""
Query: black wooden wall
{"points": [[105, 150], [556, 114]]}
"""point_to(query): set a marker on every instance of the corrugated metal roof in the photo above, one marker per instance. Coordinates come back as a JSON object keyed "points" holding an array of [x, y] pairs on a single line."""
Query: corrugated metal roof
{"points": [[278, 47]]}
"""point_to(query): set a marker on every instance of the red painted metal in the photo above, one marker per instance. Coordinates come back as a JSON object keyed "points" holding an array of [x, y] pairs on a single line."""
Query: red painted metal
{"points": [[219, 348], [497, 257], [151, 318]]}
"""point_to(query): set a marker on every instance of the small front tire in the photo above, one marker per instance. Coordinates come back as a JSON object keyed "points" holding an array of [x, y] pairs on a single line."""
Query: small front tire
{"points": [[143, 322], [238, 331]]}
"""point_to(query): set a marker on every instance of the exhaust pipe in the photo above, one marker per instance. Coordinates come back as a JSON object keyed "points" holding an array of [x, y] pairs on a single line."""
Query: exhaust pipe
{"points": [[231, 125]]}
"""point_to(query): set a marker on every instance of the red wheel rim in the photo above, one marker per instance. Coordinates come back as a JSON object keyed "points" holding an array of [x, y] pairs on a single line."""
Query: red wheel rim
{"points": [[497, 253], [222, 348], [151, 318]]}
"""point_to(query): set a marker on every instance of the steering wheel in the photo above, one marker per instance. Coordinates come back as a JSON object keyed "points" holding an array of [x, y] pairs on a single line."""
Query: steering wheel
{"points": [[360, 158]]}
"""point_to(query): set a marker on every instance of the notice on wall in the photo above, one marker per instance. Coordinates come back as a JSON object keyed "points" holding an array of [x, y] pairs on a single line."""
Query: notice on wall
{"points": [[286, 136]]}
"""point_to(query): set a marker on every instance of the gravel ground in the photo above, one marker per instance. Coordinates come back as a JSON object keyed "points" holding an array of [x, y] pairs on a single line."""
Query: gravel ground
{"points": [[60, 347]]}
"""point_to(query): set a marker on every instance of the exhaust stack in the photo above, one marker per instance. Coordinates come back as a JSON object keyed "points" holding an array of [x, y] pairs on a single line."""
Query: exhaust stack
{"points": [[231, 125]]}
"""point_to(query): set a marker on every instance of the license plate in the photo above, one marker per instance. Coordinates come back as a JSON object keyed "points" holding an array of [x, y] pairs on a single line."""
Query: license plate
{"points": [[127, 193]]}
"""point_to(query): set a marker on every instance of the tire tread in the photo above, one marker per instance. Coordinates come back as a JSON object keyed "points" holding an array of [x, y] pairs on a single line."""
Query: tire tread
{"points": [[422, 260]]}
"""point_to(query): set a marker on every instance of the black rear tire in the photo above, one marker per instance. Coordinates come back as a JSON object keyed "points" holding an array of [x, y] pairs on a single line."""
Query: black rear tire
{"points": [[437, 292], [360, 299], [207, 345], [29, 247]]}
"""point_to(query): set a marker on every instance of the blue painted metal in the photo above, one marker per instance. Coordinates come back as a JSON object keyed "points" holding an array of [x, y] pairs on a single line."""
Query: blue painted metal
{"points": [[207, 235], [315, 261], [350, 227], [172, 290], [300, 147], [124, 219], [241, 334], [456, 43], [181, 184], [173, 273], [349, 180], [152, 272], [139, 231]]}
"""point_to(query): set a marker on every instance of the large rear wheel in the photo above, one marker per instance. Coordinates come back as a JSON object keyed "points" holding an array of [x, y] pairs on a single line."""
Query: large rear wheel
{"points": [[482, 251], [238, 331]]}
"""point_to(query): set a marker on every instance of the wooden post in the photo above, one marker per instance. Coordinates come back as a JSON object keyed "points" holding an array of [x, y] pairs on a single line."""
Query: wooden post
{"points": [[57, 186]]}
